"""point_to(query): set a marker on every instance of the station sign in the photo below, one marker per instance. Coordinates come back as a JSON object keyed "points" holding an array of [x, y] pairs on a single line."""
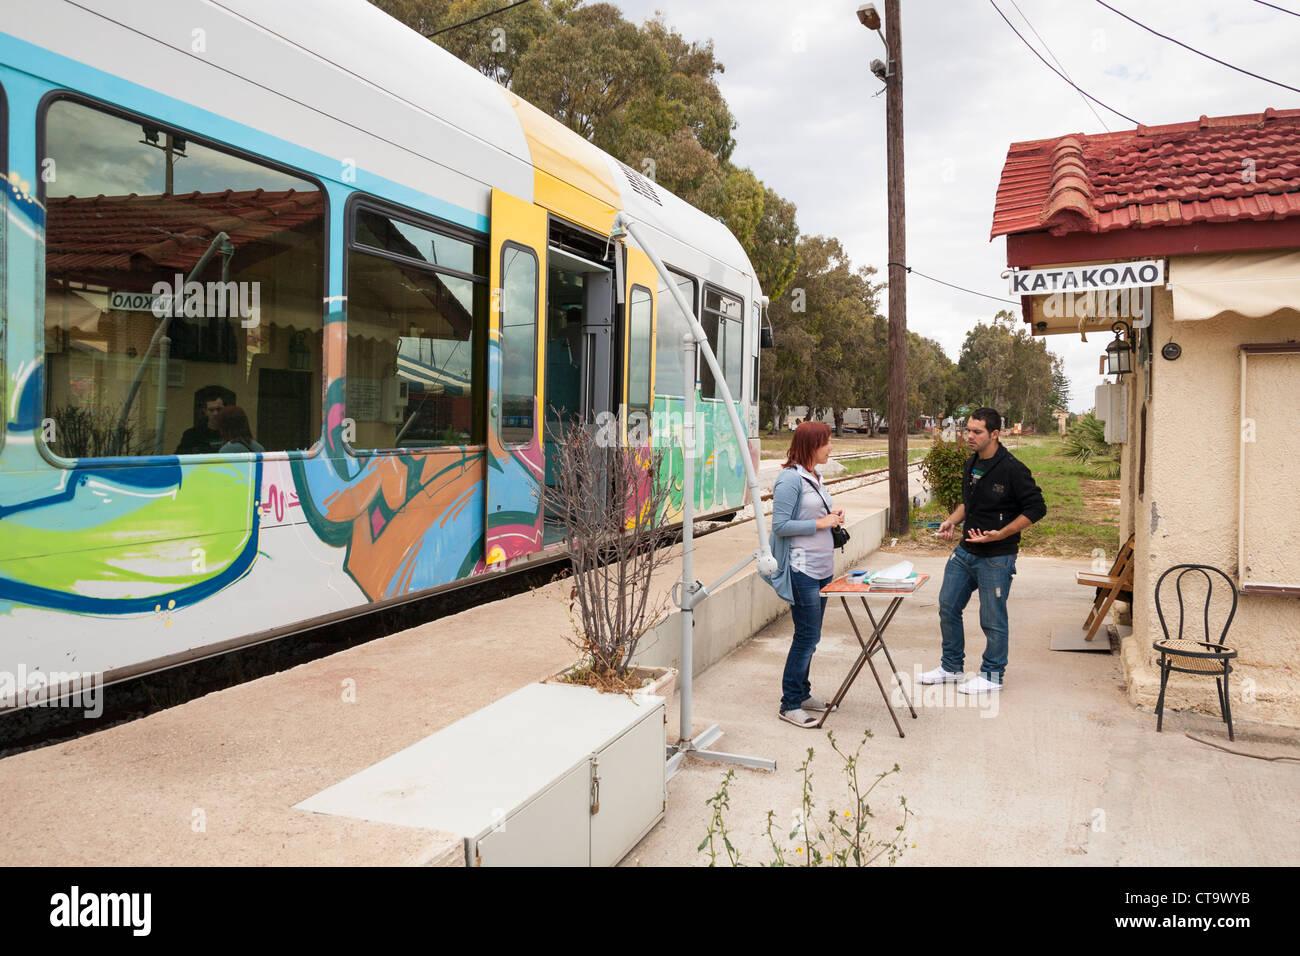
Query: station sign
{"points": [[1105, 277], [132, 301]]}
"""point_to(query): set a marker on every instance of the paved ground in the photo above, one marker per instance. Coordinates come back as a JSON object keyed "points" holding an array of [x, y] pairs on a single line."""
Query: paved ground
{"points": [[1063, 772], [1066, 772]]}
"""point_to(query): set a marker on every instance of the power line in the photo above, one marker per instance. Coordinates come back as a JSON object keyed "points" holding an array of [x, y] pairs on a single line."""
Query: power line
{"points": [[959, 288], [1056, 71], [1276, 7], [481, 16], [1060, 64], [1194, 50]]}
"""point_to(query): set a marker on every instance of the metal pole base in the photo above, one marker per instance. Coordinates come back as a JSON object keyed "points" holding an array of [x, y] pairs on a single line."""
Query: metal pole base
{"points": [[697, 747]]}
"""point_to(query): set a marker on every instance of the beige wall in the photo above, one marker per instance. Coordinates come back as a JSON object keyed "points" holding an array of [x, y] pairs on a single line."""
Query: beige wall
{"points": [[1188, 512]]}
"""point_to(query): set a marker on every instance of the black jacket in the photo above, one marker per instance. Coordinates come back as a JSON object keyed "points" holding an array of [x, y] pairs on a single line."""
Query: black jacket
{"points": [[1005, 491]]}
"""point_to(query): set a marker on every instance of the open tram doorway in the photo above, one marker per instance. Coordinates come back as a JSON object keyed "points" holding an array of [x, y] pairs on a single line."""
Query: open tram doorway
{"points": [[580, 346]]}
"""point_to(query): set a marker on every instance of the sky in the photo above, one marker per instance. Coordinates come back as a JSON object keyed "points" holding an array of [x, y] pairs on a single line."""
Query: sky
{"points": [[809, 125]]}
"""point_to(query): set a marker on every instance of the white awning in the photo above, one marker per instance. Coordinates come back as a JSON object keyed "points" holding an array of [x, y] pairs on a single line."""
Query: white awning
{"points": [[1247, 284]]}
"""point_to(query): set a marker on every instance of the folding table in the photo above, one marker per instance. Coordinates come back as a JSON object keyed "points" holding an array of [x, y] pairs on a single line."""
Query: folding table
{"points": [[842, 588]]}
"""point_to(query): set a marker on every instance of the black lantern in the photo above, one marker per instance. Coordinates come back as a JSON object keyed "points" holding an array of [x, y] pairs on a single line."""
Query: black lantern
{"points": [[1119, 354]]}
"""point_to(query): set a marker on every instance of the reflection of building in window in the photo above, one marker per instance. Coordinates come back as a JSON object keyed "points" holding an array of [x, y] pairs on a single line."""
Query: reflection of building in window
{"points": [[417, 304], [723, 327], [122, 375], [673, 325]]}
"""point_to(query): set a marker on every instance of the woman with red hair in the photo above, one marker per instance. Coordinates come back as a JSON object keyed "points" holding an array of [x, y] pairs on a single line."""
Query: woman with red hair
{"points": [[802, 518]]}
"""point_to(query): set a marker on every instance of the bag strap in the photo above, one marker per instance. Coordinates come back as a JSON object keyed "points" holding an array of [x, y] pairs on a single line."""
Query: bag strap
{"points": [[819, 494]]}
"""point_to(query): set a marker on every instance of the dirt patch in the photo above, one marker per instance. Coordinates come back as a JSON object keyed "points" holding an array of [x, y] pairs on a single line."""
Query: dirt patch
{"points": [[1100, 499]]}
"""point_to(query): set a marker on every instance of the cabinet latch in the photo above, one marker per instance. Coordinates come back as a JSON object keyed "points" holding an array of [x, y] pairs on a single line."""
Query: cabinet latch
{"points": [[595, 786]]}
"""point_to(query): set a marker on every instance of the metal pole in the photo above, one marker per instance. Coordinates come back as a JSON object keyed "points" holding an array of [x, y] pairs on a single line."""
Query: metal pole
{"points": [[898, 497], [689, 592], [688, 530]]}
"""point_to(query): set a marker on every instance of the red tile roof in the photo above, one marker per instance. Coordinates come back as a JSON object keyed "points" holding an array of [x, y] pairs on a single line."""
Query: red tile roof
{"points": [[122, 234], [1215, 170]]}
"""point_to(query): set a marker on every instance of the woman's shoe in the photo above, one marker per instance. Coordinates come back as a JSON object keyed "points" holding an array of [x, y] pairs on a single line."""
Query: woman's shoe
{"points": [[798, 718]]}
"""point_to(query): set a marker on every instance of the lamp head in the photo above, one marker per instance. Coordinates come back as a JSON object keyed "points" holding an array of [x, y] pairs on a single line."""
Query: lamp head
{"points": [[868, 16]]}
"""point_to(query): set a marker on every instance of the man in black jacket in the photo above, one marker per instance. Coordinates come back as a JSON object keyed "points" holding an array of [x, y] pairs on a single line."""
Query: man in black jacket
{"points": [[999, 500]]}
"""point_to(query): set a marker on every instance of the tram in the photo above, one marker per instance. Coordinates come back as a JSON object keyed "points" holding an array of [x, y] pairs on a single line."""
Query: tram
{"points": [[387, 262]]}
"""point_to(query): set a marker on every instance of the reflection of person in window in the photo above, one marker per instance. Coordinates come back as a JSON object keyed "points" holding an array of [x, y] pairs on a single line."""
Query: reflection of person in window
{"points": [[204, 439], [235, 432]]}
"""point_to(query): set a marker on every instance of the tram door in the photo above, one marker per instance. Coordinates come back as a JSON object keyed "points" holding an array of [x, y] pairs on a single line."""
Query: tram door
{"points": [[578, 353], [516, 379]]}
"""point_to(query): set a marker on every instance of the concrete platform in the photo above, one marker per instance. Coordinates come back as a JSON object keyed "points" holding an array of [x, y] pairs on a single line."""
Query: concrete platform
{"points": [[1058, 769], [214, 781]]}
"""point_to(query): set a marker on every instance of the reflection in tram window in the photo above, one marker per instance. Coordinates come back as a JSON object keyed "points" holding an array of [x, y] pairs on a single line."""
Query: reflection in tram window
{"points": [[639, 342], [723, 327], [414, 335], [518, 344], [142, 345], [673, 325]]}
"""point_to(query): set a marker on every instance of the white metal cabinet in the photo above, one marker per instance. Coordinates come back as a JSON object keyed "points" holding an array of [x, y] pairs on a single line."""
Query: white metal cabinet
{"points": [[515, 779]]}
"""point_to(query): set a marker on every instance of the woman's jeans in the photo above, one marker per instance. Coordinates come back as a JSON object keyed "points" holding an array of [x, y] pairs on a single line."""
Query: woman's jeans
{"points": [[962, 575], [807, 612]]}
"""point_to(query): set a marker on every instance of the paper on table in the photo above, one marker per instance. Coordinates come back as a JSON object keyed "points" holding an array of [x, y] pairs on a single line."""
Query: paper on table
{"points": [[895, 572]]}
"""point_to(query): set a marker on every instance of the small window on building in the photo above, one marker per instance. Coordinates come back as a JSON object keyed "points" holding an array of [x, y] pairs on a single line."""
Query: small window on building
{"points": [[179, 279], [417, 310], [673, 325], [722, 321]]}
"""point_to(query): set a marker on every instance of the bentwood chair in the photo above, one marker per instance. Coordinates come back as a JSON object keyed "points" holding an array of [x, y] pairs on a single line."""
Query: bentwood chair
{"points": [[1208, 657]]}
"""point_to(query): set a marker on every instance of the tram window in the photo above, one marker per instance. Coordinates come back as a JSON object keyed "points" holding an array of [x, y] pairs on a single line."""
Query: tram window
{"points": [[393, 235], [638, 359], [142, 348], [757, 314], [673, 325], [518, 344], [4, 219], [415, 333], [722, 324]]}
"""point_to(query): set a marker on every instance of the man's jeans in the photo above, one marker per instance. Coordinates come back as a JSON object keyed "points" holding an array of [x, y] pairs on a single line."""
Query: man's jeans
{"points": [[807, 612], [962, 575]]}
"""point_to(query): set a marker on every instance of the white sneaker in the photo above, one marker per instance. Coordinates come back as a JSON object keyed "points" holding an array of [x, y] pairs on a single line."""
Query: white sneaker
{"points": [[939, 676], [978, 685]]}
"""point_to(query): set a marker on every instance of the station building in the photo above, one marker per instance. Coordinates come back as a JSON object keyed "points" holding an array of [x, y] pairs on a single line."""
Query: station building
{"points": [[1209, 417]]}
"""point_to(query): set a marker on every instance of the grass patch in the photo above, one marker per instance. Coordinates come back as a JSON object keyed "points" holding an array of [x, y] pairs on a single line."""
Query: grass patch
{"points": [[1082, 511]]}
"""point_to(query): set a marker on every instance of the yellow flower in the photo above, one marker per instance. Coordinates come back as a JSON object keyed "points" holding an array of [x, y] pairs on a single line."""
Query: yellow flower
{"points": [[847, 814], [798, 849]]}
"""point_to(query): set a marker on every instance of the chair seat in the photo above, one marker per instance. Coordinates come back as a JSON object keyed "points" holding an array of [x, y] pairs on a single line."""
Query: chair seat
{"points": [[1194, 656]]}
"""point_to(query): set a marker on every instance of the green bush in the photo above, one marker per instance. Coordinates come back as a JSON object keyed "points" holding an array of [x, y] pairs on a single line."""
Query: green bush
{"points": [[942, 468]]}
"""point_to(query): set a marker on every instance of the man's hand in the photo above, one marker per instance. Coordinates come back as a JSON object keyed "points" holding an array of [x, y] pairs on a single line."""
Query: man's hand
{"points": [[946, 529], [984, 537]]}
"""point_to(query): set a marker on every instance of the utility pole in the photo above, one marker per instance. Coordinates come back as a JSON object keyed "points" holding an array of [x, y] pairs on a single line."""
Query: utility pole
{"points": [[899, 501]]}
